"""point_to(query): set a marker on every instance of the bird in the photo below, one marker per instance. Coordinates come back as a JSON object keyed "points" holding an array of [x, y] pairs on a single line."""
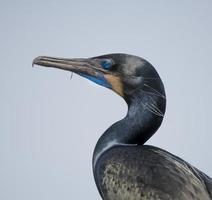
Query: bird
{"points": [[124, 167]]}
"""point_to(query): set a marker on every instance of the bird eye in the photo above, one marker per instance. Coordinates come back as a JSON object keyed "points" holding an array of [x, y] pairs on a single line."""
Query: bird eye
{"points": [[106, 64]]}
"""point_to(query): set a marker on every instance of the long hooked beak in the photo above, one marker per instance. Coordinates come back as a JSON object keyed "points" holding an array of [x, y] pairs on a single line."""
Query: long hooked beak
{"points": [[81, 66], [89, 68]]}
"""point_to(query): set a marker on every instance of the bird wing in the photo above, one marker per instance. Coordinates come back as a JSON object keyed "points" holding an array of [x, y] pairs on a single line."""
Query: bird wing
{"points": [[207, 180], [146, 172]]}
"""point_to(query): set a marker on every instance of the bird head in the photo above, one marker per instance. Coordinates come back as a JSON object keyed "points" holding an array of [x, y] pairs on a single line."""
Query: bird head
{"points": [[124, 74]]}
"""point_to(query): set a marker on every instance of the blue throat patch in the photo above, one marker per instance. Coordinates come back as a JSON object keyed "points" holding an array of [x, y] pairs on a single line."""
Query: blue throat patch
{"points": [[100, 80]]}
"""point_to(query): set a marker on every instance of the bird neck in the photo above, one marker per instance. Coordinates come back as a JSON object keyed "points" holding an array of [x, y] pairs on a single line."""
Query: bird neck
{"points": [[144, 117]]}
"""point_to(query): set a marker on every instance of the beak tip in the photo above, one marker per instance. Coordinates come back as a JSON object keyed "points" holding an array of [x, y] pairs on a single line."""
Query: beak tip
{"points": [[36, 61]]}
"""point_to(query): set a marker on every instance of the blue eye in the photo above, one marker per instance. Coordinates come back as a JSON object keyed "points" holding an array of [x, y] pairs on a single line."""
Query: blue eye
{"points": [[106, 64]]}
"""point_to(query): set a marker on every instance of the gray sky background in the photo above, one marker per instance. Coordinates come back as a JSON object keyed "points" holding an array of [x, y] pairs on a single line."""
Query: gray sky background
{"points": [[49, 124]]}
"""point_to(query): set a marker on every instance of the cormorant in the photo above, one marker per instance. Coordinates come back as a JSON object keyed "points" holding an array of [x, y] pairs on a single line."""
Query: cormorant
{"points": [[124, 168]]}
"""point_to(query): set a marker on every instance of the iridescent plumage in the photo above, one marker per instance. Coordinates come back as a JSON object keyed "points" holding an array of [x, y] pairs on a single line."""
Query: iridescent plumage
{"points": [[124, 168]]}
